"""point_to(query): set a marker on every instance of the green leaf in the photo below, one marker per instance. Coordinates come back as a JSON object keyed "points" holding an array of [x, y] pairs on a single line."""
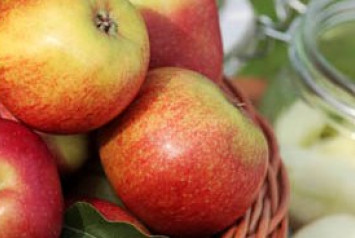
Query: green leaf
{"points": [[265, 7], [269, 66], [281, 93], [83, 221], [275, 56]]}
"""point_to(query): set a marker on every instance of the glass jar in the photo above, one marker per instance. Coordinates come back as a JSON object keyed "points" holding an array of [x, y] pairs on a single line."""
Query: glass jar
{"points": [[311, 104]]}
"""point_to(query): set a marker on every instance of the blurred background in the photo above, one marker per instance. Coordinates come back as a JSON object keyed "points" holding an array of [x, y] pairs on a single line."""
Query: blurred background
{"points": [[317, 149]]}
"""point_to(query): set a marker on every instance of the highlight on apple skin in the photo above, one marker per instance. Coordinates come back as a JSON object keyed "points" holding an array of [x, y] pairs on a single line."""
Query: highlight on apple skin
{"points": [[31, 202], [80, 64], [182, 158], [184, 33]]}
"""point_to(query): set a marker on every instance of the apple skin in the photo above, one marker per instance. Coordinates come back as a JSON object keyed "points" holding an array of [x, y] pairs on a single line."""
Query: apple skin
{"points": [[31, 202], [112, 212], [70, 151], [184, 33], [67, 75], [182, 158]]}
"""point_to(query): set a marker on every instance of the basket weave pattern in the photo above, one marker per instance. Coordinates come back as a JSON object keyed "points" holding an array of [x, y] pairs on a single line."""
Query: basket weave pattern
{"points": [[267, 217]]}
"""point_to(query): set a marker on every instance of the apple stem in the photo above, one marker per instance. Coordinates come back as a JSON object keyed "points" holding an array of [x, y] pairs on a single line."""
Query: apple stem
{"points": [[105, 23]]}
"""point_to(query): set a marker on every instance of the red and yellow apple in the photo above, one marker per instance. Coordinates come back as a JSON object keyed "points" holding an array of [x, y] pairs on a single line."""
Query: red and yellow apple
{"points": [[70, 151], [184, 33], [70, 66], [31, 203], [182, 158]]}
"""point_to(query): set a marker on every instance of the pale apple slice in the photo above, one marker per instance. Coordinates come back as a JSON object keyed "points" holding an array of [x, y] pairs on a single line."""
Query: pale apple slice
{"points": [[299, 125], [320, 185], [341, 225], [338, 145], [320, 163], [304, 127]]}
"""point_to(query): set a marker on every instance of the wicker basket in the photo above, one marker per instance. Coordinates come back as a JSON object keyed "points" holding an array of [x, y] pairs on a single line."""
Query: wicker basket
{"points": [[267, 217]]}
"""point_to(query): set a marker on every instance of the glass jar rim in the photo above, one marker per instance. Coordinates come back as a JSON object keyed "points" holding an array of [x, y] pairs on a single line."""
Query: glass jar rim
{"points": [[319, 15], [318, 75]]}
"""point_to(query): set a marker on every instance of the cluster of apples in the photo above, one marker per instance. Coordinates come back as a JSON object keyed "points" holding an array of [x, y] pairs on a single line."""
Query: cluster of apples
{"points": [[144, 79]]}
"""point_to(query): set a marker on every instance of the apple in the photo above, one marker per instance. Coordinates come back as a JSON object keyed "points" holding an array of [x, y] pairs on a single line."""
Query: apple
{"points": [[31, 203], [112, 212], [182, 158], [78, 67], [70, 151], [184, 33]]}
